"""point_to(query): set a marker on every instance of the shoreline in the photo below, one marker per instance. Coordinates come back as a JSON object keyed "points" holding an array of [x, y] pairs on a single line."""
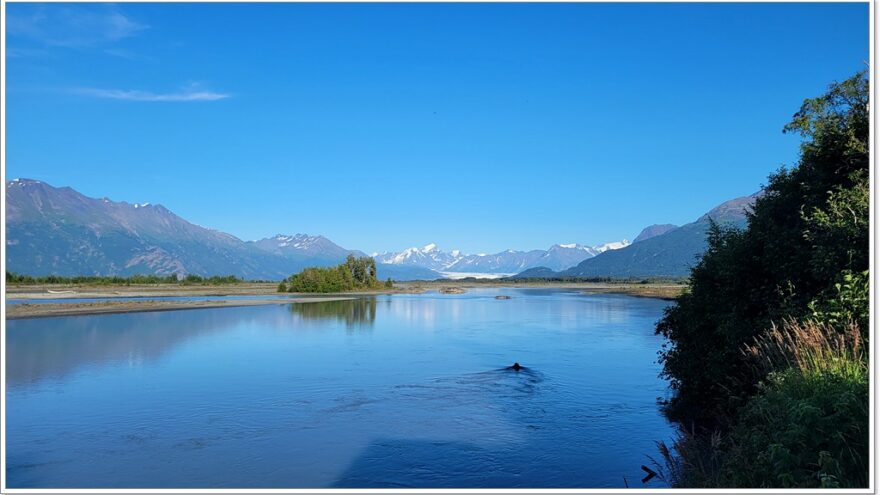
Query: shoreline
{"points": [[46, 310], [108, 294]]}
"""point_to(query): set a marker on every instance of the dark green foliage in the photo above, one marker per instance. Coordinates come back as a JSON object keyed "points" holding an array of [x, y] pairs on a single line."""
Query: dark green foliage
{"points": [[15, 278], [807, 231], [847, 300], [389, 284], [215, 280], [354, 274], [807, 429]]}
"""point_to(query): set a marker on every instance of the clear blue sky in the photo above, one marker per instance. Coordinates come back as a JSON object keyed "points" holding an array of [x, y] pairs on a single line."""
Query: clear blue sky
{"points": [[476, 126]]}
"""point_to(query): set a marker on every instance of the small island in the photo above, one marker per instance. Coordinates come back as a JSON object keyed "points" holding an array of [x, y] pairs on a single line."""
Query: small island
{"points": [[356, 274]]}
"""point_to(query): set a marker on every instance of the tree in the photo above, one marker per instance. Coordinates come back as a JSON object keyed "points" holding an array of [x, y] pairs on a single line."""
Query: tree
{"points": [[353, 274], [806, 232]]}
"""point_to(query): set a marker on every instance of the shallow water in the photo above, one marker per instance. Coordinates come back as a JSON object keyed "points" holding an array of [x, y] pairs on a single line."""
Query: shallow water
{"points": [[391, 391]]}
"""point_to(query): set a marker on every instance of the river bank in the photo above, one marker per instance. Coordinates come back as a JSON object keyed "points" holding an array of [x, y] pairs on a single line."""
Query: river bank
{"points": [[109, 306], [652, 290], [109, 295]]}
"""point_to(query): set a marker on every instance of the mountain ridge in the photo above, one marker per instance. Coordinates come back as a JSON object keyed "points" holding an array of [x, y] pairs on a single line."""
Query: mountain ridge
{"points": [[667, 254], [557, 256], [670, 254], [57, 230]]}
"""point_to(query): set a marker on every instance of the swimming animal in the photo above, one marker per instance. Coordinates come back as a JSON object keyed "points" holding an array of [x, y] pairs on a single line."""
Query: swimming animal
{"points": [[516, 367]]}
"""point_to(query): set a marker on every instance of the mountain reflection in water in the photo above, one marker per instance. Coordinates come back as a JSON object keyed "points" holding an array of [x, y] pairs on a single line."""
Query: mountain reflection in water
{"points": [[387, 391]]}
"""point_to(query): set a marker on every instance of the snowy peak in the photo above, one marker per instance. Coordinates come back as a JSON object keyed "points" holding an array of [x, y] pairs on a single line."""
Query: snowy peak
{"points": [[429, 256], [612, 245], [300, 245], [22, 183], [299, 241], [558, 257], [575, 246]]}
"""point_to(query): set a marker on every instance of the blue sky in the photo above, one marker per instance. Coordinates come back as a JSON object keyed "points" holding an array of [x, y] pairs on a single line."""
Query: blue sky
{"points": [[480, 127]]}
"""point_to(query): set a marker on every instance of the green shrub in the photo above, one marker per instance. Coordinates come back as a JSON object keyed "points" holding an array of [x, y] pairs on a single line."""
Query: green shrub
{"points": [[354, 274], [848, 300], [807, 233], [806, 429]]}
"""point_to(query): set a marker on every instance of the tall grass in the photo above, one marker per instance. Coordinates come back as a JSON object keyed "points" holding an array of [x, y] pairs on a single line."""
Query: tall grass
{"points": [[809, 346], [694, 460], [807, 427]]}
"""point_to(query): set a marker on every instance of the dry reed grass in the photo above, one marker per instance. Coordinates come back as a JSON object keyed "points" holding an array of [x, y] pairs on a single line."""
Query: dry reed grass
{"points": [[806, 345]]}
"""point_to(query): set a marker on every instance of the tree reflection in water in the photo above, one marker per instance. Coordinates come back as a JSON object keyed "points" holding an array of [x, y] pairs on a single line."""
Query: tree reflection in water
{"points": [[355, 313]]}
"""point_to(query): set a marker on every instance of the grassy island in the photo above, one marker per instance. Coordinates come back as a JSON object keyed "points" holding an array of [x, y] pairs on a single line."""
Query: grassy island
{"points": [[354, 274]]}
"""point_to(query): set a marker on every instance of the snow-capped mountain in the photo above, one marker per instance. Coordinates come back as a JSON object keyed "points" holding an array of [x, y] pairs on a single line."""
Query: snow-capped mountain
{"points": [[56, 230], [669, 253], [305, 245], [557, 257], [429, 257], [610, 246]]}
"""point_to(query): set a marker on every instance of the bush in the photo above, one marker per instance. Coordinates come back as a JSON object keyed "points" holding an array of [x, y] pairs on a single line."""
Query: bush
{"points": [[802, 254], [807, 429], [770, 406], [847, 301], [354, 274]]}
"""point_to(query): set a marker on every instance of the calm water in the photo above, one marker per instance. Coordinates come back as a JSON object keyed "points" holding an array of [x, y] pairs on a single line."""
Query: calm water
{"points": [[393, 391]]}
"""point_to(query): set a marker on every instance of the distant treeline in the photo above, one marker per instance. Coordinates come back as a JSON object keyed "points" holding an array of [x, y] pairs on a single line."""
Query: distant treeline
{"points": [[354, 274], [191, 279]]}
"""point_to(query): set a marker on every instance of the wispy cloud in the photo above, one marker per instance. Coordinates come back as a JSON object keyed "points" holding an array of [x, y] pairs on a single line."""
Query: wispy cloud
{"points": [[67, 26], [136, 95], [15, 52]]}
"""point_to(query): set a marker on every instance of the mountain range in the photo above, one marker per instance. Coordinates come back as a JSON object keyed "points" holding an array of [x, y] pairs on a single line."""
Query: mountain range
{"points": [[659, 250], [57, 230], [52, 230], [455, 264]]}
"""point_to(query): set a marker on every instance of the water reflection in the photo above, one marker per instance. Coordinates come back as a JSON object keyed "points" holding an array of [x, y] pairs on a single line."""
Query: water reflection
{"points": [[354, 313], [42, 348], [282, 396], [53, 347]]}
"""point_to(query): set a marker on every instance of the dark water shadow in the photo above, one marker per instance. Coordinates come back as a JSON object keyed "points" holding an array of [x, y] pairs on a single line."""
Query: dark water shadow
{"points": [[533, 457], [402, 463], [389, 463]]}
